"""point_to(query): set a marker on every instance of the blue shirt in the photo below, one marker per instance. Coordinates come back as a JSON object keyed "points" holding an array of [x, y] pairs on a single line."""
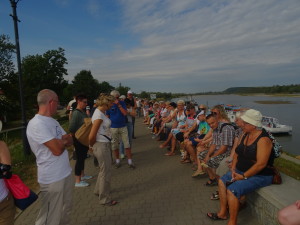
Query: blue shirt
{"points": [[118, 120]]}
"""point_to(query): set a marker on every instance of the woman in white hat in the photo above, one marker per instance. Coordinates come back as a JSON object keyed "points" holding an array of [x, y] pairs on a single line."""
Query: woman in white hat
{"points": [[7, 206], [250, 167]]}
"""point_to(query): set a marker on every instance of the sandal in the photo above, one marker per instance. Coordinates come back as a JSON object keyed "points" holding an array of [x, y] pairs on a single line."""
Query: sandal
{"points": [[212, 182], [111, 203], [214, 216], [170, 154], [186, 161], [194, 167], [215, 196]]}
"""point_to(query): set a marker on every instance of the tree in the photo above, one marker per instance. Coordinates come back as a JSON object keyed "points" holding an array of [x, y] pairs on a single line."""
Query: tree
{"points": [[122, 89], [84, 82], [7, 66], [105, 87], [9, 100], [44, 71]]}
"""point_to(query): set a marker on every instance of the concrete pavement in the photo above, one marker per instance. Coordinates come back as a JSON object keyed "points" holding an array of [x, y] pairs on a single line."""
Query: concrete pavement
{"points": [[160, 191]]}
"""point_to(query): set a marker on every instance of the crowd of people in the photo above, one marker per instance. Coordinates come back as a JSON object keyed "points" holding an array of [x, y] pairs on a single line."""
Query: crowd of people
{"points": [[236, 157]]}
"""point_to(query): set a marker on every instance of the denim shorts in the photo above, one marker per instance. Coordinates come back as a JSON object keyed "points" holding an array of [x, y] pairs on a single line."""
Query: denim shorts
{"points": [[243, 187]]}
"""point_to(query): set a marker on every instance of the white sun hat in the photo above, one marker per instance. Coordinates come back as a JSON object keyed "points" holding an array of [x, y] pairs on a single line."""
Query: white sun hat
{"points": [[253, 117]]}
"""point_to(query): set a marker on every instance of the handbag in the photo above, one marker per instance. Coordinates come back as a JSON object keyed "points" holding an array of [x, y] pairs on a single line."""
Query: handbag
{"points": [[276, 175], [22, 195], [82, 134]]}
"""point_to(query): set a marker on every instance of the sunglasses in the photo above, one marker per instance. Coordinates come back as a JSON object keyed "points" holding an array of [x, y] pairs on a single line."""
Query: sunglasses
{"points": [[214, 113], [202, 108]]}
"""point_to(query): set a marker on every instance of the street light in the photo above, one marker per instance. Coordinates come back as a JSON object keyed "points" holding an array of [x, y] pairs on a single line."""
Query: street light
{"points": [[24, 121]]}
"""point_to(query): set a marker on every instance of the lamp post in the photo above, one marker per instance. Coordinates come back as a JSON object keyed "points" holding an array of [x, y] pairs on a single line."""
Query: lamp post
{"points": [[24, 121]]}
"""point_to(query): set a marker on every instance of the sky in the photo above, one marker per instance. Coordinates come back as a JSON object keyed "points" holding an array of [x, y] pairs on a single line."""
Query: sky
{"points": [[166, 45]]}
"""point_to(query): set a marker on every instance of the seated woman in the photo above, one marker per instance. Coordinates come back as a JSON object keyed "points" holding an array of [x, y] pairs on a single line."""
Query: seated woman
{"points": [[250, 168], [179, 123]]}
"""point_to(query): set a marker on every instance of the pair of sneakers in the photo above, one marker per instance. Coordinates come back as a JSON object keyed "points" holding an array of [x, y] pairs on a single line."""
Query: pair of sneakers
{"points": [[82, 183], [118, 165]]}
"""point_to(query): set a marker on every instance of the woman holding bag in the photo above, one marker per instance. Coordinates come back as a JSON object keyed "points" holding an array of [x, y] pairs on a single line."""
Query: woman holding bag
{"points": [[7, 206], [76, 121], [99, 139]]}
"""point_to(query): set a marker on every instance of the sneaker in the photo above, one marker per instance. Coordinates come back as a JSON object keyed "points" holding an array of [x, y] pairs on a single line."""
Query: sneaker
{"points": [[82, 184], [117, 165], [86, 177], [131, 166]]}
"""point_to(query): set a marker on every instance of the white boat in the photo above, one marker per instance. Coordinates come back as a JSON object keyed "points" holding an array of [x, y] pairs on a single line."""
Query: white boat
{"points": [[272, 125]]}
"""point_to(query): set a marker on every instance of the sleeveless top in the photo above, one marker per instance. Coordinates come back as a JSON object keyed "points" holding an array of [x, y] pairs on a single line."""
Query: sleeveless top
{"points": [[181, 118], [247, 156]]}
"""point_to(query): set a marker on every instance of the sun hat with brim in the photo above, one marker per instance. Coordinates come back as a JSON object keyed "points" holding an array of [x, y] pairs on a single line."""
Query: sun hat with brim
{"points": [[252, 117]]}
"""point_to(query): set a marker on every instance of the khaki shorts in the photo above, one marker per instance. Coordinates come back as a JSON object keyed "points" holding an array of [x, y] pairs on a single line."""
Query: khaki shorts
{"points": [[118, 134]]}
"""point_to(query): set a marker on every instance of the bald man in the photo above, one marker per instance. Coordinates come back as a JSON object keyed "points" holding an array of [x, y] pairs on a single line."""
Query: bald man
{"points": [[48, 141]]}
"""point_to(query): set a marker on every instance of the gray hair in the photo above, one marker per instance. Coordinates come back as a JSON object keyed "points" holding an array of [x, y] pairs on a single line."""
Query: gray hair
{"points": [[115, 93], [44, 96], [180, 102]]}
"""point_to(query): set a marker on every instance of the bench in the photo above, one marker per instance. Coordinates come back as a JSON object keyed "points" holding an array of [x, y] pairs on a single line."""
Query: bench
{"points": [[266, 202]]}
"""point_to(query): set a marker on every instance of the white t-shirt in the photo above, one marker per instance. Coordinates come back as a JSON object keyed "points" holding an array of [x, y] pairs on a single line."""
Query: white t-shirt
{"points": [[104, 128], [51, 168]]}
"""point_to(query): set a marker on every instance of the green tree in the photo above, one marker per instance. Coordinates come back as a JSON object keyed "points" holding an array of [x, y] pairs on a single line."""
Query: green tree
{"points": [[105, 87], [9, 85], [84, 82], [122, 89], [44, 71]]}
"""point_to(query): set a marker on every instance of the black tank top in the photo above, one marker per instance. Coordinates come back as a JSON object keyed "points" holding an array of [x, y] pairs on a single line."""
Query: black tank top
{"points": [[247, 156]]}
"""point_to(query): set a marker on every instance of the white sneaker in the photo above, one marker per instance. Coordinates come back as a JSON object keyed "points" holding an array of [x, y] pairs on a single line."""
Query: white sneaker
{"points": [[86, 177], [82, 184]]}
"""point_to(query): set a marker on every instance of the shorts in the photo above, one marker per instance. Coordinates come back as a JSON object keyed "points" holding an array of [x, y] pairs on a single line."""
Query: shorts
{"points": [[223, 167], [192, 139], [243, 187], [179, 137], [213, 162], [118, 134]]}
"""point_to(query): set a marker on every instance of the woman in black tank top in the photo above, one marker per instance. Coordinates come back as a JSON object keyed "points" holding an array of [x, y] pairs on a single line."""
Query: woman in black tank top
{"points": [[249, 170]]}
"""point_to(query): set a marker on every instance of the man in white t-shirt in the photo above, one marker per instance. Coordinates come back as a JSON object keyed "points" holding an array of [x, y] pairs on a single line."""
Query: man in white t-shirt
{"points": [[48, 141]]}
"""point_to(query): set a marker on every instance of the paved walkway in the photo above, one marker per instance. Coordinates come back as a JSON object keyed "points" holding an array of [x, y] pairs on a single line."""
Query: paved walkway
{"points": [[160, 191]]}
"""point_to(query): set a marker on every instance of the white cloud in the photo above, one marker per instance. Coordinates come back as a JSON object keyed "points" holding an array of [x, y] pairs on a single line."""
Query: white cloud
{"points": [[208, 41]]}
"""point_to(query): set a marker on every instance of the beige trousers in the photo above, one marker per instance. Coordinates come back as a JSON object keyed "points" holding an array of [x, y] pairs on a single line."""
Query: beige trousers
{"points": [[56, 202], [7, 211], [102, 151]]}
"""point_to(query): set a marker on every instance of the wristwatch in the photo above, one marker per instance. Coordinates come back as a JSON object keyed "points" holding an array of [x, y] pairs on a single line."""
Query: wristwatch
{"points": [[245, 178]]}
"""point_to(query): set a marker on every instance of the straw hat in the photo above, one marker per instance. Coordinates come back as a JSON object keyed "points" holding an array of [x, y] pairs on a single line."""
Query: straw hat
{"points": [[252, 117]]}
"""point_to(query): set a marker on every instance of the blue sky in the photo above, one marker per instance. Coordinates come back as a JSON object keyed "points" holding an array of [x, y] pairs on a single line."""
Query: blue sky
{"points": [[168, 46]]}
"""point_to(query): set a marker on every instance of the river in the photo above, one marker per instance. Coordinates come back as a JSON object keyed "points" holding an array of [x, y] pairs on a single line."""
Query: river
{"points": [[287, 114]]}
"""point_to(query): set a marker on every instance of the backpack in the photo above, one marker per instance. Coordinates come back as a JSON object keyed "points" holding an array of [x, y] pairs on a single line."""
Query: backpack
{"points": [[277, 148], [82, 134], [235, 127]]}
